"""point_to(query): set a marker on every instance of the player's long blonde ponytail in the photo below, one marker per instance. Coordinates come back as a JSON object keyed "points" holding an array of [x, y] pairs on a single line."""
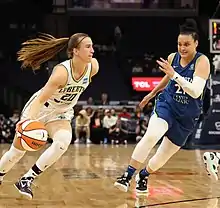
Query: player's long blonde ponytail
{"points": [[36, 51]]}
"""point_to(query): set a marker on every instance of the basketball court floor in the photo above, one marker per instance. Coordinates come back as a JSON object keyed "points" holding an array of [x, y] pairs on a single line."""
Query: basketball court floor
{"points": [[84, 177]]}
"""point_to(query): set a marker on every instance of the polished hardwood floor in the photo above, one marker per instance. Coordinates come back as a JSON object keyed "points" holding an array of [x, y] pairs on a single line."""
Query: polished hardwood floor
{"points": [[84, 177]]}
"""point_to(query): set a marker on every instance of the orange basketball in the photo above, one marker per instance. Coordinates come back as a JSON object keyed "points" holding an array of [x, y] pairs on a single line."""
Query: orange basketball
{"points": [[32, 134]]}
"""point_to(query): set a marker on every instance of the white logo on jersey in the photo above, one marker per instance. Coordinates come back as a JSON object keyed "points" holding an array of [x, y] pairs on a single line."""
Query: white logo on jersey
{"points": [[191, 67]]}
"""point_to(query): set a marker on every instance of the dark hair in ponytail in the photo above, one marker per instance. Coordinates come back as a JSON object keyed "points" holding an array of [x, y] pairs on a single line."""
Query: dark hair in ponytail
{"points": [[189, 27]]}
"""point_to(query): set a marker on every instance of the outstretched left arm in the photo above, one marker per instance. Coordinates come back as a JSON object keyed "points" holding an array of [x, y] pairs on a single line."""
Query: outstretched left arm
{"points": [[201, 74]]}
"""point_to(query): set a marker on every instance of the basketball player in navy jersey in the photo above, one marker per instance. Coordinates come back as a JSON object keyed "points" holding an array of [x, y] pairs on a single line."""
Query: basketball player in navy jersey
{"points": [[177, 108], [53, 104]]}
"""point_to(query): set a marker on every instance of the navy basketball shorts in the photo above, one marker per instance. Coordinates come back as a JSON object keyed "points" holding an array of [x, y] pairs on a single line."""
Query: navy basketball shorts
{"points": [[179, 128]]}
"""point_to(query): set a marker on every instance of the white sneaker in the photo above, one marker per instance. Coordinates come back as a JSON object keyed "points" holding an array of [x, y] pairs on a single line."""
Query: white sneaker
{"points": [[211, 162], [88, 141], [76, 141]]}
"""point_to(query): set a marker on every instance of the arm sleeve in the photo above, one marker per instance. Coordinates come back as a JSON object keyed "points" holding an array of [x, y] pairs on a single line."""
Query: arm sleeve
{"points": [[194, 88]]}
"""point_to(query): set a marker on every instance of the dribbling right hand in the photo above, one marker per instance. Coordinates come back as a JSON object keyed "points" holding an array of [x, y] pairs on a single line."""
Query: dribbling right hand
{"points": [[146, 100]]}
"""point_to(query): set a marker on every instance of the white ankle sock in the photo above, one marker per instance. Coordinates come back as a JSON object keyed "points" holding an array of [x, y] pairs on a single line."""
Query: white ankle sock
{"points": [[30, 173]]}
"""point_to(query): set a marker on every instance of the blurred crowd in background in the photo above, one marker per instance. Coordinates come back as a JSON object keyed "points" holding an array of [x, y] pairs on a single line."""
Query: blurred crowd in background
{"points": [[110, 123], [99, 124]]}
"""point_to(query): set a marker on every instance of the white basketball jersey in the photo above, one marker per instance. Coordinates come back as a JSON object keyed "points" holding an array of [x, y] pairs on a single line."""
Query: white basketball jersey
{"points": [[68, 96]]}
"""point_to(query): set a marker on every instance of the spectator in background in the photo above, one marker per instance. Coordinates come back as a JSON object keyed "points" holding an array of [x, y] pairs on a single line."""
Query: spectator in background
{"points": [[124, 114], [104, 99], [96, 120], [138, 114], [90, 101], [114, 133], [108, 122], [117, 135], [15, 117], [97, 132], [148, 109], [137, 69], [113, 113], [8, 130], [2, 118], [117, 35], [82, 126], [101, 113], [141, 129], [89, 112]]}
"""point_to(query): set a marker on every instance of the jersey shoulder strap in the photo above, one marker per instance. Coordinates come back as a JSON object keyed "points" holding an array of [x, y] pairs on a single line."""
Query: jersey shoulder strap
{"points": [[173, 58], [66, 64]]}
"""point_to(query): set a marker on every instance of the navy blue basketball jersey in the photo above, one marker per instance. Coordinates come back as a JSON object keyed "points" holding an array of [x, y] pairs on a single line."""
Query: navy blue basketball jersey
{"points": [[182, 104]]}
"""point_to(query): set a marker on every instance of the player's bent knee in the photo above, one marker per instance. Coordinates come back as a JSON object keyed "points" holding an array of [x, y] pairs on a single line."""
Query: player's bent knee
{"points": [[62, 139], [151, 137], [157, 129]]}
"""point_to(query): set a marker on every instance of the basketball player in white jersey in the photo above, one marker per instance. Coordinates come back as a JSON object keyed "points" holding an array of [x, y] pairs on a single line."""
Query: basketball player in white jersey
{"points": [[53, 104]]}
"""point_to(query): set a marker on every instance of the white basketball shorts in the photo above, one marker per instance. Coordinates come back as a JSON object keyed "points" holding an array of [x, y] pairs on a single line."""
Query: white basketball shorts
{"points": [[47, 113]]}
